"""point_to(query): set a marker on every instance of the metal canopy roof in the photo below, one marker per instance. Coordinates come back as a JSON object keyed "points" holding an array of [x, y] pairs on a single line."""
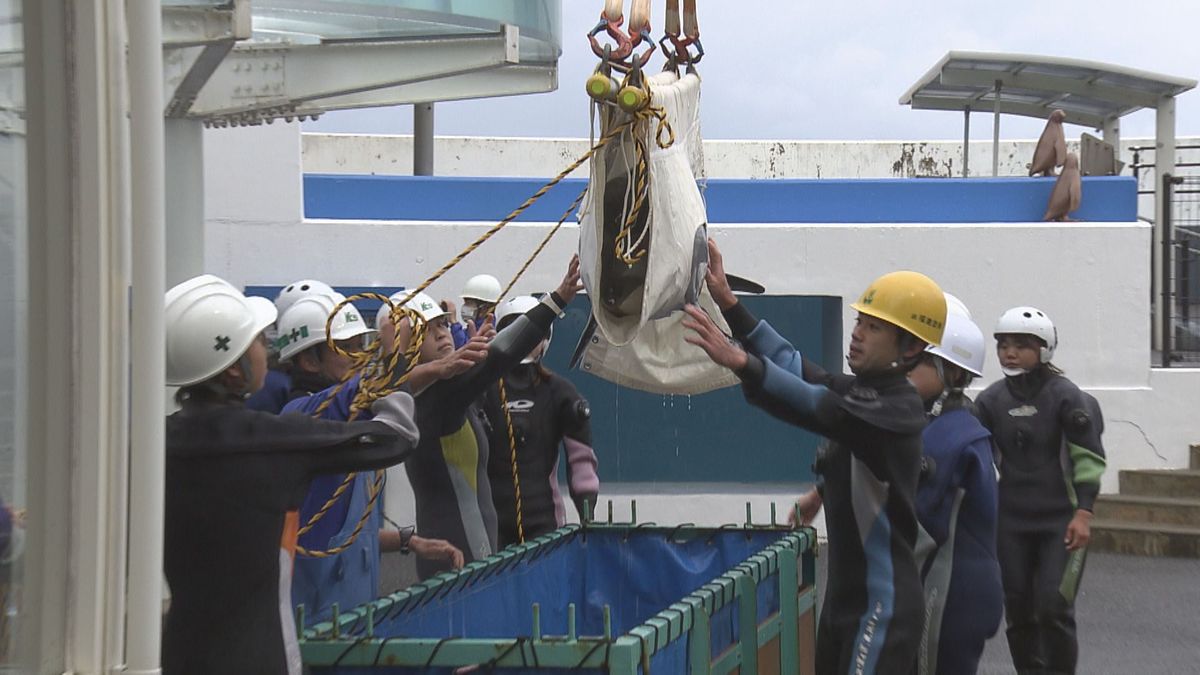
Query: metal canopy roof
{"points": [[1089, 92], [236, 62]]}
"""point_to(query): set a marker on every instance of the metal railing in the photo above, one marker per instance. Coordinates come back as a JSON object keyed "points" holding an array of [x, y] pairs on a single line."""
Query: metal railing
{"points": [[1181, 271], [1140, 164]]}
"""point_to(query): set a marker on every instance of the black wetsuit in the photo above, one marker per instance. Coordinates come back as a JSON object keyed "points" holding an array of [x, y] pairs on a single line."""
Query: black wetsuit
{"points": [[872, 616], [234, 480], [548, 414], [448, 471], [1047, 434]]}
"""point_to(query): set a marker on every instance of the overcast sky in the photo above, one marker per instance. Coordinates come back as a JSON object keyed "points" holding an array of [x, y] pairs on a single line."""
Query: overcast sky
{"points": [[778, 69]]}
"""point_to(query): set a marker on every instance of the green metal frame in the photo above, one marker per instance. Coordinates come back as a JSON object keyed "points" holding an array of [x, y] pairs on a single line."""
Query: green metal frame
{"points": [[786, 563]]}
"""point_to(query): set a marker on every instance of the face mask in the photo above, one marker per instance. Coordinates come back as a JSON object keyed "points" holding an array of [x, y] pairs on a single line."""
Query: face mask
{"points": [[467, 313]]}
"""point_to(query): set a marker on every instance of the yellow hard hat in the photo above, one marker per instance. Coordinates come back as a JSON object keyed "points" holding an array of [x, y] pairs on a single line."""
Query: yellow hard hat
{"points": [[910, 300]]}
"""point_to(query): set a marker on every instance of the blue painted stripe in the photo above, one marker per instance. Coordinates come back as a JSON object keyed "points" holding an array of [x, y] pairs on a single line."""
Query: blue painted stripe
{"points": [[365, 306], [881, 598], [918, 200]]}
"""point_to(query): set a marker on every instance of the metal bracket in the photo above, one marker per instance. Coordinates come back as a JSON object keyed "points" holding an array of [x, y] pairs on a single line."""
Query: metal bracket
{"points": [[195, 26], [258, 83], [197, 40]]}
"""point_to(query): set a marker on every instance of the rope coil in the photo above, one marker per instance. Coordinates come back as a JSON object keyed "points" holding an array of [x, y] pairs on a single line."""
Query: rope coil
{"points": [[377, 370]]}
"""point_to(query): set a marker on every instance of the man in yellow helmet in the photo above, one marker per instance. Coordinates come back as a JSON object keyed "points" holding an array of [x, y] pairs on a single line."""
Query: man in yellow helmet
{"points": [[873, 613]]}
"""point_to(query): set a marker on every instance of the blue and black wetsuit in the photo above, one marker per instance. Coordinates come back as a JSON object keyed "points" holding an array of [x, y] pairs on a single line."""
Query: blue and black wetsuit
{"points": [[956, 505], [873, 611], [1047, 433]]}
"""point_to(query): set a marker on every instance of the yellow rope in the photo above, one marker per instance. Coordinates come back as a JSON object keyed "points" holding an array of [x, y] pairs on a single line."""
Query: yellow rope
{"points": [[368, 390], [665, 138], [376, 368], [546, 240], [375, 490], [516, 474], [341, 489]]}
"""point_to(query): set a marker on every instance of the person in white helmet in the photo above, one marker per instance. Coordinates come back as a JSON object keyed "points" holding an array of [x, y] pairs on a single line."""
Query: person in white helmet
{"points": [[549, 418], [303, 342], [1047, 435], [479, 298], [956, 504], [276, 389], [449, 470], [235, 479], [351, 577]]}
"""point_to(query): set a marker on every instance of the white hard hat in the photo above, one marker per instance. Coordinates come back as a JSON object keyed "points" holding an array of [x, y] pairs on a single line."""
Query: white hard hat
{"points": [[301, 289], [1029, 321], [428, 308], [962, 343], [954, 305], [483, 287], [303, 324], [515, 307], [209, 326]]}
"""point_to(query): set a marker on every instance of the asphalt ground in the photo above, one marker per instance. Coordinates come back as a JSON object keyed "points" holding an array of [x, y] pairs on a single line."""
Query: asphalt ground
{"points": [[1134, 616]]}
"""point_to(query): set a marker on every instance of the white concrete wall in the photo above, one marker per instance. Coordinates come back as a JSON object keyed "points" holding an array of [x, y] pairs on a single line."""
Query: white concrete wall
{"points": [[472, 156], [1092, 278], [545, 157], [1081, 274]]}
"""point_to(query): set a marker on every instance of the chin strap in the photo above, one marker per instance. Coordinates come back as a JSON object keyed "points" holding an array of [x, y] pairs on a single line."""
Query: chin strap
{"points": [[1015, 372], [947, 390]]}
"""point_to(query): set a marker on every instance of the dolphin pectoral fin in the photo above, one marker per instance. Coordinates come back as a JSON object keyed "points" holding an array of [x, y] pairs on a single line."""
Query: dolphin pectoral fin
{"points": [[744, 285], [584, 340], [699, 266]]}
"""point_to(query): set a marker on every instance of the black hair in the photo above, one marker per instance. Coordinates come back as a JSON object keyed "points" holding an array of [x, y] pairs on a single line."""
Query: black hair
{"points": [[904, 341], [955, 377], [208, 391]]}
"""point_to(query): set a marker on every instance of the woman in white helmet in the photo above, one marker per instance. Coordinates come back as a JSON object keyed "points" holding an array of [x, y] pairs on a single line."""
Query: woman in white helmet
{"points": [[956, 504], [479, 298], [1047, 435], [234, 480], [277, 388], [549, 417], [303, 342], [351, 577], [449, 470]]}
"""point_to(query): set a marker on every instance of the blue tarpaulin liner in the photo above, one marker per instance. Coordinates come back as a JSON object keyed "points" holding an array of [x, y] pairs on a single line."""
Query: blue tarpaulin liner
{"points": [[636, 573]]}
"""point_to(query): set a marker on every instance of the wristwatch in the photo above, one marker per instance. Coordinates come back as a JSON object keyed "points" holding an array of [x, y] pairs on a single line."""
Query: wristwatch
{"points": [[406, 535]]}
